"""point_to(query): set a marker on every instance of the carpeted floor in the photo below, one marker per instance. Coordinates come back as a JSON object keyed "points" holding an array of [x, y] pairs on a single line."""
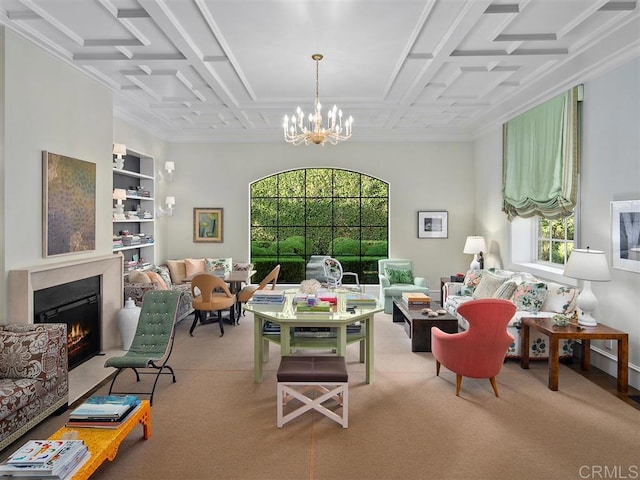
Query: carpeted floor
{"points": [[216, 423]]}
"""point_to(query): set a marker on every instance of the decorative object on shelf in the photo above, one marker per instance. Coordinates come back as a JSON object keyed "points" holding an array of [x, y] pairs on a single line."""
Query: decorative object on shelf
{"points": [[475, 245], [169, 167], [433, 224], [590, 266], [625, 235], [119, 194], [119, 150], [128, 322], [170, 200], [297, 132], [207, 225], [69, 204]]}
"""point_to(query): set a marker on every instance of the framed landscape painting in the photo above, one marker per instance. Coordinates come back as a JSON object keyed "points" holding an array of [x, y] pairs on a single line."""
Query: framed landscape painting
{"points": [[207, 225], [625, 235], [433, 224], [69, 205]]}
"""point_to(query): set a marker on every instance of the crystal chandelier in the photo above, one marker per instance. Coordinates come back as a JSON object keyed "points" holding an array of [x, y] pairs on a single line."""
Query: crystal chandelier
{"points": [[297, 131]]}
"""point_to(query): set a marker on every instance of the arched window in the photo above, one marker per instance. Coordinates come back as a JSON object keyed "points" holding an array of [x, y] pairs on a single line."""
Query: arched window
{"points": [[299, 214]]}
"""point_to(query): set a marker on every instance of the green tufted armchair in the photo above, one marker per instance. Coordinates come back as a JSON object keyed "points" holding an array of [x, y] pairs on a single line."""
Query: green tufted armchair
{"points": [[396, 277]]}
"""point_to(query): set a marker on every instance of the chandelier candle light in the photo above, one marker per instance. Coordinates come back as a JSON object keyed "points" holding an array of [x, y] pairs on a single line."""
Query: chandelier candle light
{"points": [[297, 132]]}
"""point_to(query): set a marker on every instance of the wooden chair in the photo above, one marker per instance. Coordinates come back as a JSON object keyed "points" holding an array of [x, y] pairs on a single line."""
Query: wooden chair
{"points": [[479, 351], [247, 292], [153, 340], [211, 294]]}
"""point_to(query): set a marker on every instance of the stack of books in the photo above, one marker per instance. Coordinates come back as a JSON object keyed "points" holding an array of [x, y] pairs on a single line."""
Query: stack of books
{"points": [[103, 411], [316, 307], [269, 297], [361, 300], [416, 301], [268, 300], [50, 459]]}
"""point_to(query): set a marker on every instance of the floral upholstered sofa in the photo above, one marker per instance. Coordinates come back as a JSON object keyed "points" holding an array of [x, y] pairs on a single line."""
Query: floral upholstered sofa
{"points": [[533, 297], [176, 275], [34, 379]]}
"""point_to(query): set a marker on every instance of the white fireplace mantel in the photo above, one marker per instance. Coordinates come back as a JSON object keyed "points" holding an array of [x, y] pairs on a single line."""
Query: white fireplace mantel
{"points": [[23, 282]]}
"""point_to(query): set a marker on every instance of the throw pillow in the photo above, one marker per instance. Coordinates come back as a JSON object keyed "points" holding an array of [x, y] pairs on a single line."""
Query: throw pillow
{"points": [[222, 265], [530, 296], [470, 282], [136, 276], [156, 278], [489, 283], [505, 290], [193, 266], [163, 271], [399, 276], [177, 270], [242, 267], [25, 355], [560, 299]]}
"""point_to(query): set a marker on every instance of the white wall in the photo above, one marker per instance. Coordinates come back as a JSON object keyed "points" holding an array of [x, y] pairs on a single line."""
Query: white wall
{"points": [[48, 105], [610, 171], [422, 176]]}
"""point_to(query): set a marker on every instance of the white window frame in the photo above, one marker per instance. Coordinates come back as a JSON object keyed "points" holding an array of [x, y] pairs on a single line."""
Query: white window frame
{"points": [[552, 241], [524, 252]]}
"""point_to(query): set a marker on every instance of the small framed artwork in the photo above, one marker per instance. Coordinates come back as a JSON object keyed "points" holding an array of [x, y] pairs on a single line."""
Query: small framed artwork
{"points": [[207, 225], [625, 235], [433, 224]]}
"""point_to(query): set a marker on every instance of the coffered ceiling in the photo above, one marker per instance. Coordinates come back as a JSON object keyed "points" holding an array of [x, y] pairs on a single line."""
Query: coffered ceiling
{"points": [[406, 70]]}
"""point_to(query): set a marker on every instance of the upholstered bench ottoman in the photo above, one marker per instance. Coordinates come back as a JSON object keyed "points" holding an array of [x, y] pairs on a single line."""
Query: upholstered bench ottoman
{"points": [[326, 375]]}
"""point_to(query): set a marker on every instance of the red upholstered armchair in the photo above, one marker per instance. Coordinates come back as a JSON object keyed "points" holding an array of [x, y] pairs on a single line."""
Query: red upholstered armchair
{"points": [[479, 351]]}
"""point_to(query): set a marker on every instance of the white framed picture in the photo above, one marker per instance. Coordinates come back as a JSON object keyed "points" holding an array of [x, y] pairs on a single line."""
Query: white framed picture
{"points": [[433, 224], [625, 235]]}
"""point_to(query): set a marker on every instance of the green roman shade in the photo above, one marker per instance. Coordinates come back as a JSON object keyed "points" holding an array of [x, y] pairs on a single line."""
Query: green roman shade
{"points": [[540, 159]]}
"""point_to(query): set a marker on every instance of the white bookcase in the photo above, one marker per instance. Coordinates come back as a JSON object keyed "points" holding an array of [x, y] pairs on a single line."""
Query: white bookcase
{"points": [[138, 179]]}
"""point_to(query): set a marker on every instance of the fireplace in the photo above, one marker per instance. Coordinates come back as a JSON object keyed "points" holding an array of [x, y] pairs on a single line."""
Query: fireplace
{"points": [[78, 305]]}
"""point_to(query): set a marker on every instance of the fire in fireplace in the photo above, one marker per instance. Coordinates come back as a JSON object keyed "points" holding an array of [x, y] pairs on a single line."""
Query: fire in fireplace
{"points": [[78, 305]]}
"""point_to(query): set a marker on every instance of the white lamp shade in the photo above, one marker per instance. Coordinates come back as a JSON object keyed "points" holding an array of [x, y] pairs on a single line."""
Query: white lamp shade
{"points": [[169, 166], [170, 200], [119, 149], [588, 265], [475, 244], [119, 194]]}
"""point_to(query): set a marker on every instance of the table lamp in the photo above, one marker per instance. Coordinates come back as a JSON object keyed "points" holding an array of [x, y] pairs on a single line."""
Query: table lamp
{"points": [[475, 245], [119, 150], [119, 194], [590, 266]]}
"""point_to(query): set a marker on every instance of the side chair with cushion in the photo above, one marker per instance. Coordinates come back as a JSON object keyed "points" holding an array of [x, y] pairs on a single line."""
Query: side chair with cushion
{"points": [[153, 341], [479, 351], [247, 292], [396, 277], [211, 294]]}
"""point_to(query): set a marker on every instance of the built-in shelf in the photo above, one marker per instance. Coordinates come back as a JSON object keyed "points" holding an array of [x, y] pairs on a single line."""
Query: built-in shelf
{"points": [[138, 172], [133, 247]]}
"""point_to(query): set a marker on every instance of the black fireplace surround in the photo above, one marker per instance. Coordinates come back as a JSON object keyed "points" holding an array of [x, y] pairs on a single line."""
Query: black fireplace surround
{"points": [[78, 305]]}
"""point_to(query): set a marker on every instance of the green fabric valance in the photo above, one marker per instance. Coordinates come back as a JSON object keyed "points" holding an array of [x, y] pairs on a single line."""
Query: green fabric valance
{"points": [[540, 159]]}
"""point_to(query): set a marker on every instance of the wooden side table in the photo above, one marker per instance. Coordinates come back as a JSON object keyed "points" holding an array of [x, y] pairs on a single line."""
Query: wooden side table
{"points": [[573, 332], [444, 280]]}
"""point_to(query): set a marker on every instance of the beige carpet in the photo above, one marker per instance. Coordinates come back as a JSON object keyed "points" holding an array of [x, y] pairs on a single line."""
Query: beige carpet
{"points": [[216, 423]]}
